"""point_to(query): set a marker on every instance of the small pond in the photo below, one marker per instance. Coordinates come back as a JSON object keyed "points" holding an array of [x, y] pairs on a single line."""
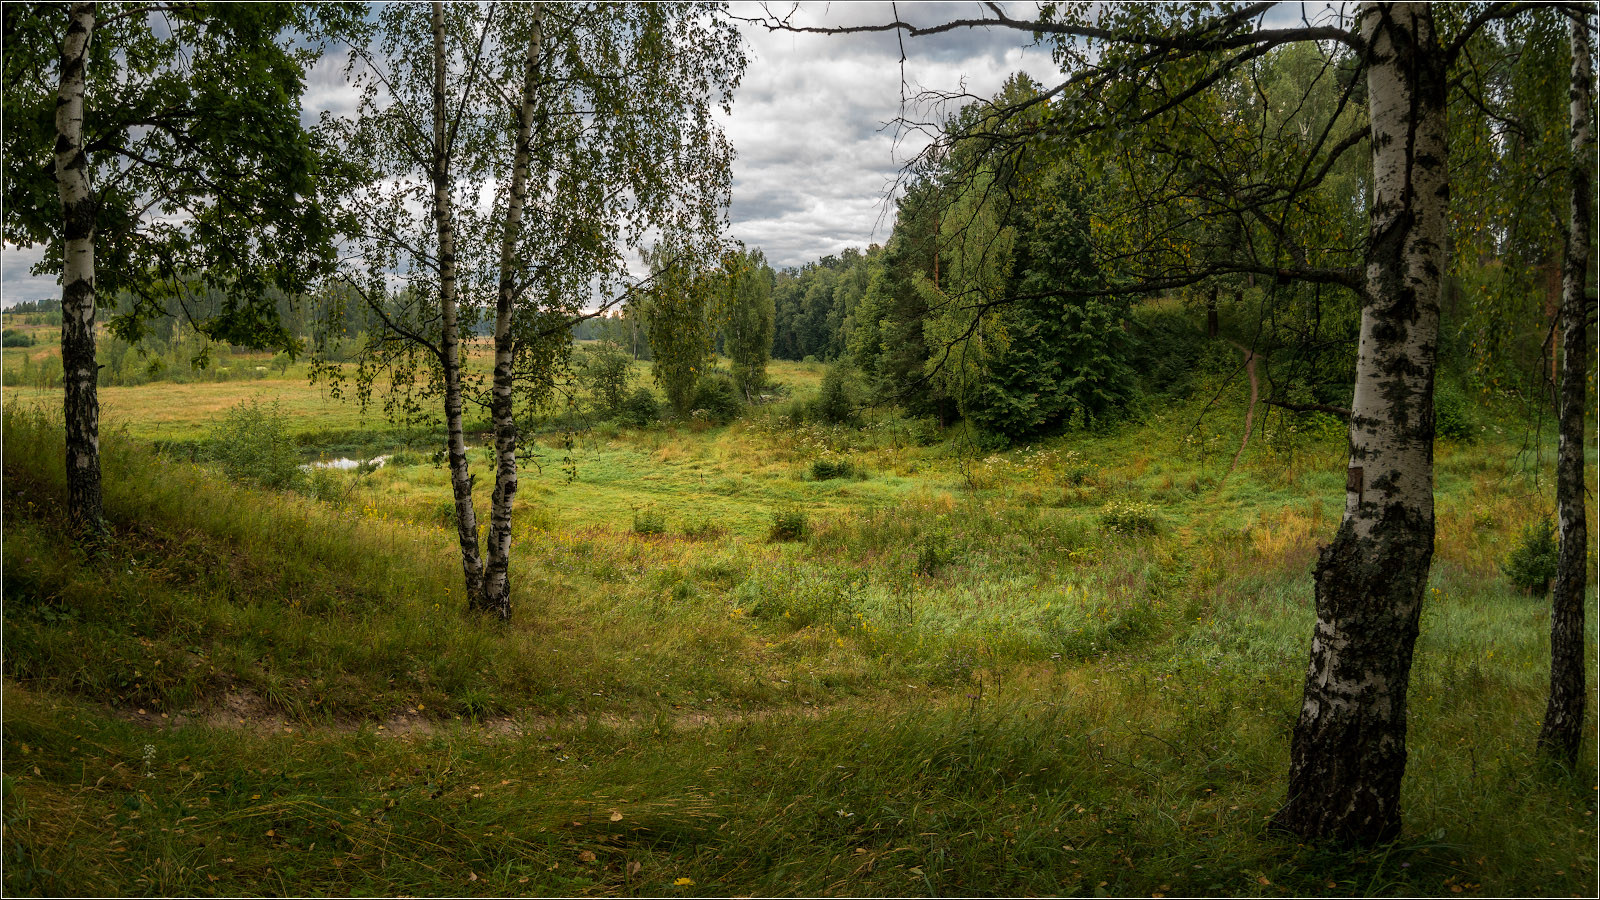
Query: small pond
{"points": [[344, 462]]}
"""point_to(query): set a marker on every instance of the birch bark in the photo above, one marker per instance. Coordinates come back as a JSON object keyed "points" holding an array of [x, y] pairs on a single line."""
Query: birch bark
{"points": [[1348, 752], [1563, 718], [449, 342], [497, 581], [80, 370]]}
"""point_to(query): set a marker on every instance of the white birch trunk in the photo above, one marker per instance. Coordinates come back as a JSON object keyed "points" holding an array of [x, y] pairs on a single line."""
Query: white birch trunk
{"points": [[1348, 754], [449, 341], [1562, 731], [80, 370], [497, 584]]}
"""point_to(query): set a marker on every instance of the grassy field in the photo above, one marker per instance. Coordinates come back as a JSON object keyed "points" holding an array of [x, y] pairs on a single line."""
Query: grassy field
{"points": [[1066, 668]]}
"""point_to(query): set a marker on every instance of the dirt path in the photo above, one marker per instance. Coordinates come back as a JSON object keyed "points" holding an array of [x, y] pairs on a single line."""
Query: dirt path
{"points": [[246, 711]]}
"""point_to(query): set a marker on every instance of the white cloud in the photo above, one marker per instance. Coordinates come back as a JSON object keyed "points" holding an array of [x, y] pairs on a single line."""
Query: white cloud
{"points": [[17, 284], [813, 120]]}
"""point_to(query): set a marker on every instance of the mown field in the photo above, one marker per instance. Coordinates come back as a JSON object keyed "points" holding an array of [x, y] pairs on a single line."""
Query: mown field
{"points": [[1065, 668]]}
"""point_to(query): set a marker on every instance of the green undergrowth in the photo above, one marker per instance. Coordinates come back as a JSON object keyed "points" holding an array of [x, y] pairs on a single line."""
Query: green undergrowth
{"points": [[1068, 668], [1055, 783], [329, 612]]}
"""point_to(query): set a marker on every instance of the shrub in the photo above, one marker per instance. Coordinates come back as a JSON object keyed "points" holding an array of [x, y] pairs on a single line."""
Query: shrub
{"points": [[14, 338], [640, 409], [649, 521], [444, 514], [825, 469], [933, 554], [1077, 472], [325, 485], [252, 444], [718, 396], [401, 459], [836, 402], [923, 430], [789, 524], [1452, 417], [605, 371], [703, 528], [1129, 517], [1532, 562]]}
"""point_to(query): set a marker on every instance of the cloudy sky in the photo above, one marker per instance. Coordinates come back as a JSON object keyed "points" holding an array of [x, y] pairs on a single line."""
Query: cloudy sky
{"points": [[813, 119], [814, 155], [812, 122]]}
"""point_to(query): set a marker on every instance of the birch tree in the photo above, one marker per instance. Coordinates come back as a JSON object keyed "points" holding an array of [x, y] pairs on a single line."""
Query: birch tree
{"points": [[1139, 78], [516, 155], [1562, 730], [1525, 144], [153, 149]]}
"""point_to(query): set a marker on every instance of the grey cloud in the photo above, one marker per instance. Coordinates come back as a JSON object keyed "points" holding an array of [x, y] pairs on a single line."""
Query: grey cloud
{"points": [[815, 160], [17, 284], [327, 88]]}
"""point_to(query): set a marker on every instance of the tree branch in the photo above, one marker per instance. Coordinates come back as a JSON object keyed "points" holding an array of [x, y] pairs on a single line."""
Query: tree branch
{"points": [[1211, 36]]}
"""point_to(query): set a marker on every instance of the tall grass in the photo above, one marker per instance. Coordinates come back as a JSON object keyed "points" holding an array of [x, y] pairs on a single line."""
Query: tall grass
{"points": [[956, 683]]}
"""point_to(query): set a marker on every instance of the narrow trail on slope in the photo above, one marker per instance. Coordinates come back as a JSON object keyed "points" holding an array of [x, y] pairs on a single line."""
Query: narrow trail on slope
{"points": [[1250, 413], [247, 712]]}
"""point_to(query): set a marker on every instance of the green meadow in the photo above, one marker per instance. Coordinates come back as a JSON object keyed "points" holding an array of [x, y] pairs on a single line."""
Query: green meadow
{"points": [[1066, 668]]}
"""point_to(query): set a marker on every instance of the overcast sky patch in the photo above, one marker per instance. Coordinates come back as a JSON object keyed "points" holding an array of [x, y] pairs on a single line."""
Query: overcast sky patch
{"points": [[813, 121]]}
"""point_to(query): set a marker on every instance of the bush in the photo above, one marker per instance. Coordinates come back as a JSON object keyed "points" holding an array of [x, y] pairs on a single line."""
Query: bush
{"points": [[1532, 563], [1452, 417], [703, 528], [718, 396], [252, 444], [640, 409], [1129, 517], [836, 402], [444, 514], [789, 524], [923, 430], [649, 521], [406, 458], [605, 371], [14, 338], [825, 469], [933, 554], [325, 485]]}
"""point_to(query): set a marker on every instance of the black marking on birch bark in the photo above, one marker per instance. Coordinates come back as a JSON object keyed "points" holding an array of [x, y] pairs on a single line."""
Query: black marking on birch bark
{"points": [[1561, 733], [461, 480], [497, 577], [1348, 754], [80, 372]]}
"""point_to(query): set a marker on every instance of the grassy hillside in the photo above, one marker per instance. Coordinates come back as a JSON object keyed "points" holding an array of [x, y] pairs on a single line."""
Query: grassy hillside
{"points": [[1068, 668]]}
